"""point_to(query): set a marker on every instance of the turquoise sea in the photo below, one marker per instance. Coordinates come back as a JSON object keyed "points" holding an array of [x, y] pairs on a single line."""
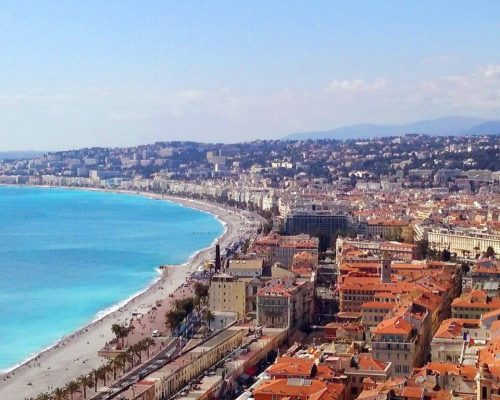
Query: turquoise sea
{"points": [[67, 255]]}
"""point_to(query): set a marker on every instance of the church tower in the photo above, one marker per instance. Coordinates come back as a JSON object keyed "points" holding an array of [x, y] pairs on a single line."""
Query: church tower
{"points": [[385, 269], [483, 381]]}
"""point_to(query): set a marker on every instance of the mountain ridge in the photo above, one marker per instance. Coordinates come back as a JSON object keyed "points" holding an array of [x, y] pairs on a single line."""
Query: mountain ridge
{"points": [[447, 126]]}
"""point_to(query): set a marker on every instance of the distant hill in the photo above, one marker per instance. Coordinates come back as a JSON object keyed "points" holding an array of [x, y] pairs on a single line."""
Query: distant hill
{"points": [[19, 155], [457, 126]]}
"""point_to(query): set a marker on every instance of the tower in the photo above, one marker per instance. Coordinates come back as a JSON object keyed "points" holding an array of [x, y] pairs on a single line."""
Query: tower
{"points": [[385, 269], [217, 258], [483, 381]]}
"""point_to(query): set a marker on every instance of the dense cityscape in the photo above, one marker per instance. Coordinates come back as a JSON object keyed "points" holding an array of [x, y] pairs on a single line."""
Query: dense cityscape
{"points": [[358, 269]]}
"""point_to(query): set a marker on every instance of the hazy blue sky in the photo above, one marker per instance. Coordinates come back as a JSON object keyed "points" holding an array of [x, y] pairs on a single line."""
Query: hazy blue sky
{"points": [[112, 73]]}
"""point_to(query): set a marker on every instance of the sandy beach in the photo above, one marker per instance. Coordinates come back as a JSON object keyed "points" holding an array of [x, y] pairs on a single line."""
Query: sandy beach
{"points": [[76, 354]]}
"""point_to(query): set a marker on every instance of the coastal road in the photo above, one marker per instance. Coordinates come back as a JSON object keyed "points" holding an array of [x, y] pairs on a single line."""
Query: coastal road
{"points": [[171, 350]]}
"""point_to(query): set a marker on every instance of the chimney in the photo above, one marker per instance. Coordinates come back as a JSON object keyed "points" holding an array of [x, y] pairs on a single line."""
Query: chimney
{"points": [[217, 258]]}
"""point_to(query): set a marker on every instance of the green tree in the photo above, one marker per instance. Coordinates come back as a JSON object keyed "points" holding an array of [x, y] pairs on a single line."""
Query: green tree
{"points": [[130, 357], [174, 318], [101, 374], [490, 252], [147, 343], [200, 291], [94, 374], [209, 317], [137, 349], [71, 388], [85, 382], [422, 248], [59, 394], [120, 331], [445, 255], [119, 364]]}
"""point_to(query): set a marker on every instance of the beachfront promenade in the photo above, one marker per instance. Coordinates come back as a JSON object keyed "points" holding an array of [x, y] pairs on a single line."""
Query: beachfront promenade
{"points": [[76, 355]]}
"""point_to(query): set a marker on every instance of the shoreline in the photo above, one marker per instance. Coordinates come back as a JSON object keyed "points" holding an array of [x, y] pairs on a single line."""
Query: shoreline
{"points": [[161, 286]]}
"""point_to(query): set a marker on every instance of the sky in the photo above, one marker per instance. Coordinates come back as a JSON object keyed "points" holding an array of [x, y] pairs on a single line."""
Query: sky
{"points": [[120, 73]]}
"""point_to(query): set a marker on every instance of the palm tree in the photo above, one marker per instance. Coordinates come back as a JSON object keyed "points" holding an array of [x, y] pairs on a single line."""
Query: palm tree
{"points": [[148, 342], [107, 368], [94, 374], [101, 372], [118, 364], [209, 317], [72, 387], [59, 394], [117, 331], [130, 357], [43, 396], [120, 331], [86, 381], [137, 350], [121, 360]]}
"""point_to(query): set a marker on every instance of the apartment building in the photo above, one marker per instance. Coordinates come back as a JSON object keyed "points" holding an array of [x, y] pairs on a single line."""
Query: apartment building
{"points": [[485, 271], [385, 228], [474, 305], [284, 303], [275, 248], [467, 243], [394, 340], [175, 375], [245, 268], [395, 250], [315, 222], [454, 336], [299, 389], [227, 293]]}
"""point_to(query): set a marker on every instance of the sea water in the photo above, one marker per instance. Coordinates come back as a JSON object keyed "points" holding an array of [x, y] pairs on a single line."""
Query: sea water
{"points": [[66, 255]]}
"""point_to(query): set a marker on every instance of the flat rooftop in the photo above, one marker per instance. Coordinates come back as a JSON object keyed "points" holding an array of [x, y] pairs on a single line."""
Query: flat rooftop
{"points": [[215, 341]]}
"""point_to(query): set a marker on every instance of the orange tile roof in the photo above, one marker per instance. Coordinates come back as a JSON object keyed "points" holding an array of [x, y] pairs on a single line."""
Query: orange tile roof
{"points": [[367, 362], [306, 389], [467, 301], [452, 328], [324, 372], [394, 326], [468, 371], [292, 366], [413, 392]]}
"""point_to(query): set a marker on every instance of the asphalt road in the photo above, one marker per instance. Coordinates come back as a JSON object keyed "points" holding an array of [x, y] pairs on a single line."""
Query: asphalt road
{"points": [[163, 357]]}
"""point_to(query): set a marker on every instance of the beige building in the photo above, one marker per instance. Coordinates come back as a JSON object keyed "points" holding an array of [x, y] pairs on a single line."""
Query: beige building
{"points": [[474, 305], [394, 341], [454, 336], [179, 372], [282, 249], [227, 293], [463, 242], [284, 303], [404, 340], [245, 268], [387, 229]]}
